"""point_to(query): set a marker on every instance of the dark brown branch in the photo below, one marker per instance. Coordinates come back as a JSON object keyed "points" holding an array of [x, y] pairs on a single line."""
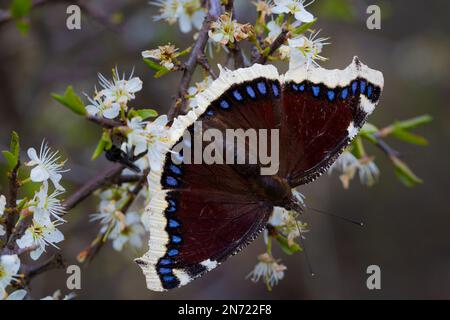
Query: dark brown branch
{"points": [[103, 179], [180, 102], [106, 123], [11, 207], [55, 262], [273, 47], [203, 61]]}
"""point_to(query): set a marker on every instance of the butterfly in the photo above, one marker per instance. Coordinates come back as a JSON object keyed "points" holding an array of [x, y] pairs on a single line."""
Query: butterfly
{"points": [[200, 214]]}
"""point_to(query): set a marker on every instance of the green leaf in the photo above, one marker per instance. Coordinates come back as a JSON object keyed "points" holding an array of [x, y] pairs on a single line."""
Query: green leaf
{"points": [[10, 159], [284, 244], [23, 26], [304, 27], [143, 113], [12, 155], [20, 8], [413, 123], [71, 100], [105, 143], [409, 137], [15, 145], [153, 65], [405, 174], [161, 73]]}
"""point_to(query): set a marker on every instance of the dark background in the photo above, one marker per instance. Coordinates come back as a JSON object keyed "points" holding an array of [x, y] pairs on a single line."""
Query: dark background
{"points": [[406, 231]]}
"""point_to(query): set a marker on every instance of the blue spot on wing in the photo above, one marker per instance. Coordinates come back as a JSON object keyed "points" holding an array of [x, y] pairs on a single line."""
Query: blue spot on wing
{"points": [[224, 104], [369, 91], [262, 87], [354, 87], [176, 239], [237, 95], [165, 270], [251, 92], [344, 93], [165, 262], [173, 223], [302, 87], [362, 86], [331, 95], [172, 252], [171, 181], [276, 91], [210, 112], [168, 278], [294, 87], [175, 169], [316, 90]]}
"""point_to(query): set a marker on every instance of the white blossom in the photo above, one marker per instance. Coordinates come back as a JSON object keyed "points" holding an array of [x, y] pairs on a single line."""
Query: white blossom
{"points": [[17, 295], [152, 138], [274, 31], [103, 107], [46, 165], [38, 236], [9, 267], [188, 13], [45, 206], [130, 230], [268, 269], [294, 7], [305, 50], [199, 87], [164, 54], [106, 214], [119, 90], [368, 172], [2, 210]]}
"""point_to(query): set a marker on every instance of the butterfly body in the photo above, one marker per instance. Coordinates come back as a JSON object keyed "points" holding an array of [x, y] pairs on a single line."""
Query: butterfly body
{"points": [[201, 213]]}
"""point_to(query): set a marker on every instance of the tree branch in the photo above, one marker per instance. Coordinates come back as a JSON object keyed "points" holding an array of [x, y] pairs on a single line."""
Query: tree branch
{"points": [[198, 50], [11, 207], [97, 182], [273, 47]]}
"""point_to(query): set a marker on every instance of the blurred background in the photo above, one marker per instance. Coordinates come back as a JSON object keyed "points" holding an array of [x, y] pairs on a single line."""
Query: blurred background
{"points": [[406, 231]]}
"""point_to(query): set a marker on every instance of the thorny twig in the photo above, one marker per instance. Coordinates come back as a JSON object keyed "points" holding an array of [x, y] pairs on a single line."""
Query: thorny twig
{"points": [[180, 102]]}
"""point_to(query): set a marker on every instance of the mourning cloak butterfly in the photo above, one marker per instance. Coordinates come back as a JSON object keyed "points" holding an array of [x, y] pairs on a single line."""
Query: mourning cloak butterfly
{"points": [[200, 214]]}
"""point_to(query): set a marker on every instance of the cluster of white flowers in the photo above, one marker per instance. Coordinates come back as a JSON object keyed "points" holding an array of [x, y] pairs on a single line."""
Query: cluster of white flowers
{"points": [[114, 95], [150, 137], [121, 228], [45, 206], [46, 210], [347, 165], [188, 13], [268, 269]]}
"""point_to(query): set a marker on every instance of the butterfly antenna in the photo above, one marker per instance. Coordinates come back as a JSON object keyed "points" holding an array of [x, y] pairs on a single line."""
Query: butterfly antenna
{"points": [[356, 222], [302, 243]]}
